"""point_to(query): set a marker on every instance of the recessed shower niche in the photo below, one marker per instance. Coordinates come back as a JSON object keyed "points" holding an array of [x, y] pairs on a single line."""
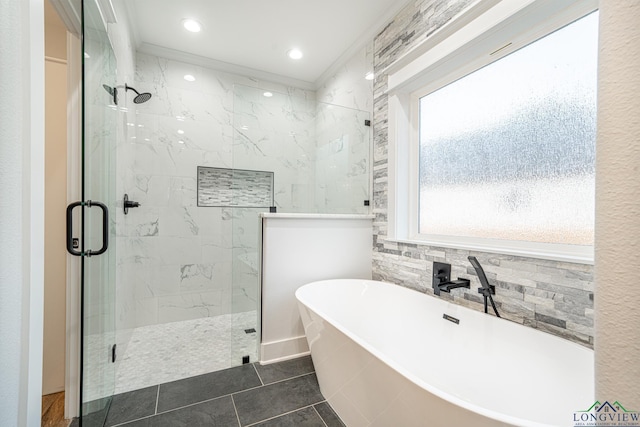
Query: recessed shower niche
{"points": [[222, 187]]}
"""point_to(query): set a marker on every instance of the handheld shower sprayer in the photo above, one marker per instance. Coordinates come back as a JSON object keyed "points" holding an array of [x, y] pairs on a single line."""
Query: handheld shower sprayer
{"points": [[486, 289]]}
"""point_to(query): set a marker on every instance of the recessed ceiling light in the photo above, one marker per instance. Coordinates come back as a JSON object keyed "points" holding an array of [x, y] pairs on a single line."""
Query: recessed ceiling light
{"points": [[267, 94], [294, 54], [180, 118], [180, 142], [191, 25], [180, 131], [369, 75], [189, 78]]}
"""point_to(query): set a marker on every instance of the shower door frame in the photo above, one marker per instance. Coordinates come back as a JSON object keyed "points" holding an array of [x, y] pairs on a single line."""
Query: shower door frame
{"points": [[91, 270]]}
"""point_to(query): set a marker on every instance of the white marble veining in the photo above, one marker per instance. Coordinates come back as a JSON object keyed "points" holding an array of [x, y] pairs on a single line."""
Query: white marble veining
{"points": [[348, 87], [171, 351]]}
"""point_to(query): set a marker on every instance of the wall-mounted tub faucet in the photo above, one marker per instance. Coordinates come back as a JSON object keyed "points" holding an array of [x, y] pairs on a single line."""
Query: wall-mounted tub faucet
{"points": [[486, 289], [442, 279]]}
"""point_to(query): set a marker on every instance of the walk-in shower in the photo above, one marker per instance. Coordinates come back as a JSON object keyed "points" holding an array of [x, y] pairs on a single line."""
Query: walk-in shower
{"points": [[177, 294]]}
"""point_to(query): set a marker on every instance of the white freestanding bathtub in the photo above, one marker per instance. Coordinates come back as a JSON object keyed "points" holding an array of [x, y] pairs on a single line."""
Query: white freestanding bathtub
{"points": [[385, 356]]}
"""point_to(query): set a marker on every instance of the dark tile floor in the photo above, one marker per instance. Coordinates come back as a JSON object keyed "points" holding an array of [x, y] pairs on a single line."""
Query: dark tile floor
{"points": [[278, 395]]}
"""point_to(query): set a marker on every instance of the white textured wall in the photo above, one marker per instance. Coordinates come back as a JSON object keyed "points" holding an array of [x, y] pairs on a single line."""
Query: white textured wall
{"points": [[21, 212], [617, 239]]}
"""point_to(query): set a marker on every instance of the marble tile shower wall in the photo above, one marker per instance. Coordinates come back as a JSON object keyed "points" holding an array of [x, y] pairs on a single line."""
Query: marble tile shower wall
{"points": [[347, 87], [277, 134], [343, 151], [176, 256], [342, 159], [556, 297]]}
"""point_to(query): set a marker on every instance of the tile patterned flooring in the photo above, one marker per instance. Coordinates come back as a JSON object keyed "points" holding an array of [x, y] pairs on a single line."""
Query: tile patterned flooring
{"points": [[281, 394]]}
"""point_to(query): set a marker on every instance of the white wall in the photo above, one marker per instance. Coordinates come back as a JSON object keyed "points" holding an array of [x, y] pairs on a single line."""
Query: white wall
{"points": [[299, 249], [21, 210], [617, 239]]}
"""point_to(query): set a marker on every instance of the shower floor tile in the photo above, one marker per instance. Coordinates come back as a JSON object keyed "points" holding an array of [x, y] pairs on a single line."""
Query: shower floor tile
{"points": [[168, 352]]}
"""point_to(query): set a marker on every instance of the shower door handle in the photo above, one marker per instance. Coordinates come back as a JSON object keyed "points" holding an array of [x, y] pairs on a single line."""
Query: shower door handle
{"points": [[105, 228]]}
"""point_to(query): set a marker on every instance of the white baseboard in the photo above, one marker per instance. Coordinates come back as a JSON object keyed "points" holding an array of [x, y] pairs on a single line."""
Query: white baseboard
{"points": [[278, 351]]}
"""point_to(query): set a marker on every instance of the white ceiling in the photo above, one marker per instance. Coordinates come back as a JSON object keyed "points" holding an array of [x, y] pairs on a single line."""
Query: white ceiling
{"points": [[256, 34]]}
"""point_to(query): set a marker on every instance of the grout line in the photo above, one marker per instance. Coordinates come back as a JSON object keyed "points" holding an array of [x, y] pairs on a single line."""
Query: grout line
{"points": [[175, 409], [266, 385], [131, 421], [192, 404], [290, 378], [236, 409], [148, 416], [284, 413], [258, 373], [157, 399], [323, 421]]}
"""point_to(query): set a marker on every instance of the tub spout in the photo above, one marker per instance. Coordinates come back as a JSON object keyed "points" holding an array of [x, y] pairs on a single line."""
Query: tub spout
{"points": [[453, 284]]}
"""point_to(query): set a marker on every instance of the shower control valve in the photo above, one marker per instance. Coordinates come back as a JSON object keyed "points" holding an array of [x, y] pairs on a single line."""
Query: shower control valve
{"points": [[129, 204]]}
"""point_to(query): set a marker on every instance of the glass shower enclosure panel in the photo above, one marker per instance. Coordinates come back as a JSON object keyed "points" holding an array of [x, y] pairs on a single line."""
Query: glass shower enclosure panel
{"points": [[319, 157], [342, 160], [98, 205], [245, 271]]}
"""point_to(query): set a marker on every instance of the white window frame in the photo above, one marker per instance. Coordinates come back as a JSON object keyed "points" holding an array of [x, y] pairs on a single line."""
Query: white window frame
{"points": [[485, 32]]}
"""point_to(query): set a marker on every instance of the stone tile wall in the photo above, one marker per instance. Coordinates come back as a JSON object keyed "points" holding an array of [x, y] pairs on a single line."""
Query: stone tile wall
{"points": [[556, 297]]}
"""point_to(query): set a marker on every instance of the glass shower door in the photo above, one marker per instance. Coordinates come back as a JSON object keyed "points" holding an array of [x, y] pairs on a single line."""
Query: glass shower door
{"points": [[97, 213]]}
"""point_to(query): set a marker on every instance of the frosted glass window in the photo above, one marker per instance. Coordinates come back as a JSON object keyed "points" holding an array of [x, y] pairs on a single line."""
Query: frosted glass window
{"points": [[508, 152]]}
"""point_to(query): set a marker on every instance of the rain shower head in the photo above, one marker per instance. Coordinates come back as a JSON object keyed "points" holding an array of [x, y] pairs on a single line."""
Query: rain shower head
{"points": [[141, 97]]}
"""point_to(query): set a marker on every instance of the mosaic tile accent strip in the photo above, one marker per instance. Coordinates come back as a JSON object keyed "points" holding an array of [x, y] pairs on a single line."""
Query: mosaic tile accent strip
{"points": [[220, 187]]}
